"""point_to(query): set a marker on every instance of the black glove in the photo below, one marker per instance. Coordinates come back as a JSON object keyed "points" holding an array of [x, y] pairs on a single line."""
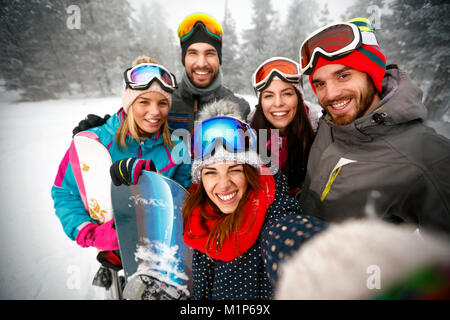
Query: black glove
{"points": [[90, 121], [122, 171]]}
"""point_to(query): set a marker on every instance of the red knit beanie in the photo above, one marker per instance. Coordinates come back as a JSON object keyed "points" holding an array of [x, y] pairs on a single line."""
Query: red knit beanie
{"points": [[367, 58]]}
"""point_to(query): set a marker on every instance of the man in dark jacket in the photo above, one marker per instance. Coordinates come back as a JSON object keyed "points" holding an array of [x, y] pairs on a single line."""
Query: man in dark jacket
{"points": [[372, 154], [201, 54]]}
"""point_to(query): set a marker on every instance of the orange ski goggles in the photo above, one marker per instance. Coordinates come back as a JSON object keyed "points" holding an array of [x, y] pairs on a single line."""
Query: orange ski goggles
{"points": [[212, 27], [287, 69]]}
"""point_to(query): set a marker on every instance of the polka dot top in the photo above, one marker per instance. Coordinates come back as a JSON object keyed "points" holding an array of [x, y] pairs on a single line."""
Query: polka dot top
{"points": [[252, 275]]}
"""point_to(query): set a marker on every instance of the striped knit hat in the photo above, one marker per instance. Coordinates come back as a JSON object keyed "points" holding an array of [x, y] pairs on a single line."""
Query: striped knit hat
{"points": [[367, 58]]}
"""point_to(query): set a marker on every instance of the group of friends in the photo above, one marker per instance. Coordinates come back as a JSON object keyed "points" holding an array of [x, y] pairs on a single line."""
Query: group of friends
{"points": [[369, 156]]}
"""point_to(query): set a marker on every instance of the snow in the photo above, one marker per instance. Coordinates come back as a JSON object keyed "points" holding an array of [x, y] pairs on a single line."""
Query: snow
{"points": [[38, 261]]}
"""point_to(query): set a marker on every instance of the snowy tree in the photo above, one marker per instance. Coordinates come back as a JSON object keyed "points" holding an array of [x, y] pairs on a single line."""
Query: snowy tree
{"points": [[48, 59], [419, 42], [30, 59], [233, 74], [259, 41], [300, 22], [155, 38], [108, 41], [325, 15]]}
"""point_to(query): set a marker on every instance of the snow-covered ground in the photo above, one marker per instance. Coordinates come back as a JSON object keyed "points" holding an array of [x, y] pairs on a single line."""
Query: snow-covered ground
{"points": [[37, 260]]}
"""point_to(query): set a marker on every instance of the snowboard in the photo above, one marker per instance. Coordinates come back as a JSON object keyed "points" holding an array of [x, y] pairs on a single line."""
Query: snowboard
{"points": [[149, 227], [90, 161]]}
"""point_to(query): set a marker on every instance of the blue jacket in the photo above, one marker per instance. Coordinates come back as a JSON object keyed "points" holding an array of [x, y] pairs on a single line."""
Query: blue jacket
{"points": [[68, 203]]}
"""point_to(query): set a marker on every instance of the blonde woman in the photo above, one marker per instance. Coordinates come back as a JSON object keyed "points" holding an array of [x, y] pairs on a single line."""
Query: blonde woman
{"points": [[138, 138]]}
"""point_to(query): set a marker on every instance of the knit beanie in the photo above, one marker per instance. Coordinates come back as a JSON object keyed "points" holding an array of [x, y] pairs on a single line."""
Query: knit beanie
{"points": [[200, 34], [367, 58], [130, 95], [223, 108]]}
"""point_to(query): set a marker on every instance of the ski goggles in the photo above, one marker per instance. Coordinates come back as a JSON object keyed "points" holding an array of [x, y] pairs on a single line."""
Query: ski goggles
{"points": [[332, 42], [212, 27], [284, 68], [142, 75], [234, 135]]}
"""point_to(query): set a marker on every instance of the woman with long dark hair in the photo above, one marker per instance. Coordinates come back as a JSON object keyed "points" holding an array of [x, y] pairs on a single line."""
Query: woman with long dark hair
{"points": [[277, 83]]}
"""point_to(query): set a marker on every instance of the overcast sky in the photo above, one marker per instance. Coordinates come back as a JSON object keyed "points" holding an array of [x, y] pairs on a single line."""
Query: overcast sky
{"points": [[240, 10]]}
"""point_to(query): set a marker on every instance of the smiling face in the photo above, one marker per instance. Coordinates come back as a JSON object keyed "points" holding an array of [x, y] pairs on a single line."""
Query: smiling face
{"points": [[225, 184], [279, 103], [202, 63], [346, 94], [150, 111]]}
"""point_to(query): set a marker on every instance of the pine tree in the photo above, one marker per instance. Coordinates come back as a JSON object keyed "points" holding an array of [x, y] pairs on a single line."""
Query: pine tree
{"points": [[325, 15], [233, 75], [259, 41], [31, 60], [155, 38], [418, 42], [47, 59]]}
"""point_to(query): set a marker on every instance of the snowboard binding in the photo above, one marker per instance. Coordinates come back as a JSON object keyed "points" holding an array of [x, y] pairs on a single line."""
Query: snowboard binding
{"points": [[145, 287]]}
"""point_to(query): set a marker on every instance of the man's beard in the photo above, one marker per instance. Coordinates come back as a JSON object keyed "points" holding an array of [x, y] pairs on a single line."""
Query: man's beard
{"points": [[365, 102]]}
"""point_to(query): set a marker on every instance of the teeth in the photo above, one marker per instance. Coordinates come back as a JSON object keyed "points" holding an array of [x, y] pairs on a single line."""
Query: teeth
{"points": [[152, 120], [201, 72], [227, 197], [279, 114], [340, 105]]}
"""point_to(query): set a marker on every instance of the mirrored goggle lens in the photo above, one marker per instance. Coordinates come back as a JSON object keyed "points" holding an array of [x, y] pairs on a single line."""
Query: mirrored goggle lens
{"points": [[145, 73], [330, 40], [284, 67], [187, 25], [232, 133]]}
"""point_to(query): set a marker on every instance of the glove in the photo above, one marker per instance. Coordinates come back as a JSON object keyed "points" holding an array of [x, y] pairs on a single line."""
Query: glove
{"points": [[102, 237], [127, 171], [90, 121]]}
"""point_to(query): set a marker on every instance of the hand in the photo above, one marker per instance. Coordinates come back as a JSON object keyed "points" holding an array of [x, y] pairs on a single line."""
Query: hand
{"points": [[102, 237], [127, 171], [90, 121]]}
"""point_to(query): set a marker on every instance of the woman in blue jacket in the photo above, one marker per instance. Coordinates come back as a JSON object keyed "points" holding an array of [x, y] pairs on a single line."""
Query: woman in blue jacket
{"points": [[138, 138]]}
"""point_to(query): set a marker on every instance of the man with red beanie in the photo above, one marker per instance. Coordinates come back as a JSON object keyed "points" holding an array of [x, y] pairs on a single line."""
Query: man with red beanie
{"points": [[372, 155]]}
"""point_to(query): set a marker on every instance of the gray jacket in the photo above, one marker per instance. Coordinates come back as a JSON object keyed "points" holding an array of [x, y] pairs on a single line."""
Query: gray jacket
{"points": [[387, 163], [182, 113]]}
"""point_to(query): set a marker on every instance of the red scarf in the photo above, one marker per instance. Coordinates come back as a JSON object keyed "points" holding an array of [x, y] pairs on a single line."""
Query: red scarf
{"points": [[254, 211]]}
